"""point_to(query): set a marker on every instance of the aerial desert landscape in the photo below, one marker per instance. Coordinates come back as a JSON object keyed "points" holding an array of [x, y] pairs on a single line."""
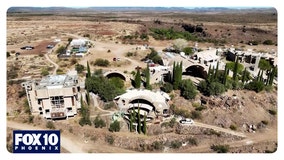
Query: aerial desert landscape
{"points": [[209, 108]]}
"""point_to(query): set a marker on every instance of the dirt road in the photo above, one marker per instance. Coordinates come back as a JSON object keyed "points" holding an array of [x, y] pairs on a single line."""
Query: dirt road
{"points": [[55, 65]]}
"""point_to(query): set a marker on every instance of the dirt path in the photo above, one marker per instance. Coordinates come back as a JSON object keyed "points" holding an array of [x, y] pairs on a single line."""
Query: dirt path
{"points": [[55, 65], [229, 131]]}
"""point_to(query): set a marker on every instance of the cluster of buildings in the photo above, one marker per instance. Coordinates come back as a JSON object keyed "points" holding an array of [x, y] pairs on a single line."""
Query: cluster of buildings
{"points": [[77, 48], [58, 96]]}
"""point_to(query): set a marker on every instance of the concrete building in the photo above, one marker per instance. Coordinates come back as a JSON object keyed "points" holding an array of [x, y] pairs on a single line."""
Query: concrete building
{"points": [[54, 96], [152, 104]]}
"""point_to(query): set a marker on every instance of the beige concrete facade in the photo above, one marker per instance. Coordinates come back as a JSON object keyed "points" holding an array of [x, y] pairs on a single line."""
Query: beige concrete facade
{"points": [[54, 97]]}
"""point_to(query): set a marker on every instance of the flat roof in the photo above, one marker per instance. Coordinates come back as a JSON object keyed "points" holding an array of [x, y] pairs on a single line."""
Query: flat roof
{"points": [[57, 81]]}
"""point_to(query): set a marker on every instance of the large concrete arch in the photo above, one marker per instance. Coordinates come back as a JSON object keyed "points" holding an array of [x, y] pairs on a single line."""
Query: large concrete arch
{"points": [[196, 70], [115, 73]]}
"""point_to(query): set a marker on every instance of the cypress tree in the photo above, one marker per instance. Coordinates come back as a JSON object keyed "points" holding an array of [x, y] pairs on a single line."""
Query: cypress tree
{"points": [[244, 75], [180, 73], [174, 72], [261, 76], [88, 98], [235, 71], [137, 79], [209, 74], [258, 76], [88, 70], [216, 71], [139, 120], [131, 121], [272, 75], [147, 74], [145, 124], [225, 75]]}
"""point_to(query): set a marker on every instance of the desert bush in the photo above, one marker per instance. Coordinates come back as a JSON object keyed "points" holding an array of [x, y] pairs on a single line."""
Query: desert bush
{"points": [[157, 145], [192, 141], [99, 123], [272, 112], [50, 125], [233, 127], [176, 144], [101, 62], [109, 139], [114, 126], [220, 148]]}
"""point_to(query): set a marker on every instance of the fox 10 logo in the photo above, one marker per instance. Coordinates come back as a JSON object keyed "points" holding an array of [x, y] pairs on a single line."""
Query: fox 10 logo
{"points": [[36, 141]]}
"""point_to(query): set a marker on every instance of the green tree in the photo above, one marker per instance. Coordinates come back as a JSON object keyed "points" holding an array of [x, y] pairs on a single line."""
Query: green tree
{"points": [[177, 74], [264, 64], [188, 50], [118, 82], [137, 80], [187, 89]]}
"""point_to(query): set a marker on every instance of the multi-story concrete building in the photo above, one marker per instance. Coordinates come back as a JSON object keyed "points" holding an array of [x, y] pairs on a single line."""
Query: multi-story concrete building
{"points": [[54, 96]]}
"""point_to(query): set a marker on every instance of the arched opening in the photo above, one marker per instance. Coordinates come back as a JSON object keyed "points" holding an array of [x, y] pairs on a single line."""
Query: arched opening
{"points": [[115, 74], [196, 71]]}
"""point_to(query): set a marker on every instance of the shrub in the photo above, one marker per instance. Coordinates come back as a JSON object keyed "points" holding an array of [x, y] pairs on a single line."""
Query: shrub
{"points": [[21, 93], [196, 115], [109, 139], [268, 42], [220, 148], [50, 125], [200, 108], [60, 49], [256, 86], [31, 119], [176, 144], [79, 68], [114, 126], [167, 87], [99, 123], [272, 112], [265, 122], [158, 145], [192, 141], [44, 72], [59, 71], [101, 62], [233, 127]]}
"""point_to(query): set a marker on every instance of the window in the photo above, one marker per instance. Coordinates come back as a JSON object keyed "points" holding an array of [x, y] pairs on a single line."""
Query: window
{"points": [[57, 101]]}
